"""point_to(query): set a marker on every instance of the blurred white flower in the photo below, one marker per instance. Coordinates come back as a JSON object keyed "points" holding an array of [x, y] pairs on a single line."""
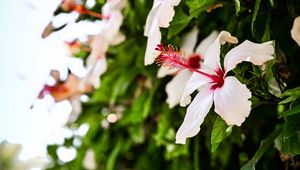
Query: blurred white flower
{"points": [[109, 34], [89, 161], [9, 160]]}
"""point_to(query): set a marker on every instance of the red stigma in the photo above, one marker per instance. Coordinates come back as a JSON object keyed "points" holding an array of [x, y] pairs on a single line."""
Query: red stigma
{"points": [[194, 61]]}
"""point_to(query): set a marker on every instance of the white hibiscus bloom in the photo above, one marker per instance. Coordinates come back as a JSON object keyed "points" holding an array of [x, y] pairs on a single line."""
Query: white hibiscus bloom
{"points": [[160, 16], [230, 96], [195, 59]]}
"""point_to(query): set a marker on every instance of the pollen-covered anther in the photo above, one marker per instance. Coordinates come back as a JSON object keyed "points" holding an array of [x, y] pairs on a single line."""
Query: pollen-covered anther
{"points": [[171, 57]]}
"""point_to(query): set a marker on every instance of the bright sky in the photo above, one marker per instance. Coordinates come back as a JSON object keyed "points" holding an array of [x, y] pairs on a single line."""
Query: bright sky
{"points": [[25, 63]]}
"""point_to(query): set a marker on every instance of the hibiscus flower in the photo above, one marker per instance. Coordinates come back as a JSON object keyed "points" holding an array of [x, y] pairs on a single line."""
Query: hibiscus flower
{"points": [[195, 59], [229, 95]]}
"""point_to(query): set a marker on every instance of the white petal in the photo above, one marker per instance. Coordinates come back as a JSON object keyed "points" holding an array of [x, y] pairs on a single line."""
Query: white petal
{"points": [[195, 115], [153, 40], [205, 43], [112, 5], [76, 108], [176, 86], [189, 41], [96, 70], [232, 101], [166, 12], [79, 30], [118, 38], [89, 161], [295, 32], [99, 49], [163, 71], [196, 81], [151, 20], [111, 27], [212, 55], [248, 51], [64, 18], [174, 2]]}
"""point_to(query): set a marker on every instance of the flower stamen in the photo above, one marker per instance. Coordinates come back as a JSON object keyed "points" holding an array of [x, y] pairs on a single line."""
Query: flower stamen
{"points": [[173, 58]]}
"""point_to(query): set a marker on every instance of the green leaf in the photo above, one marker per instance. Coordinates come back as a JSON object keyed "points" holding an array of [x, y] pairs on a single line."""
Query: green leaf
{"points": [[292, 111], [263, 147], [180, 21], [121, 84], [292, 94], [290, 146], [164, 127], [237, 7], [198, 6], [220, 132], [267, 35], [271, 2], [114, 154], [135, 113], [256, 8], [291, 126], [137, 133], [288, 100]]}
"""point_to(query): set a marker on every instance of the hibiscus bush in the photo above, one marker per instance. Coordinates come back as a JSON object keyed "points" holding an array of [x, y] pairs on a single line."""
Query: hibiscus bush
{"points": [[169, 67]]}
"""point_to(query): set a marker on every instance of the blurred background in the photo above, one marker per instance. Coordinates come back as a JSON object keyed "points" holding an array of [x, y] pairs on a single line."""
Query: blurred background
{"points": [[122, 120]]}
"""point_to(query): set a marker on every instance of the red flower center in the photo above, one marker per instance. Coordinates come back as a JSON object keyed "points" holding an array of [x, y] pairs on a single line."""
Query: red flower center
{"points": [[217, 80], [194, 61]]}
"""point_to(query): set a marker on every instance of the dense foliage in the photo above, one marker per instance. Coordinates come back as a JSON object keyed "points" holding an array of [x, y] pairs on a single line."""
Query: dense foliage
{"points": [[143, 137]]}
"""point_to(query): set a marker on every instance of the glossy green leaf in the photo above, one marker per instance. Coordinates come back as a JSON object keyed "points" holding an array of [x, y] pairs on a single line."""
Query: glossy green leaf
{"points": [[220, 131]]}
